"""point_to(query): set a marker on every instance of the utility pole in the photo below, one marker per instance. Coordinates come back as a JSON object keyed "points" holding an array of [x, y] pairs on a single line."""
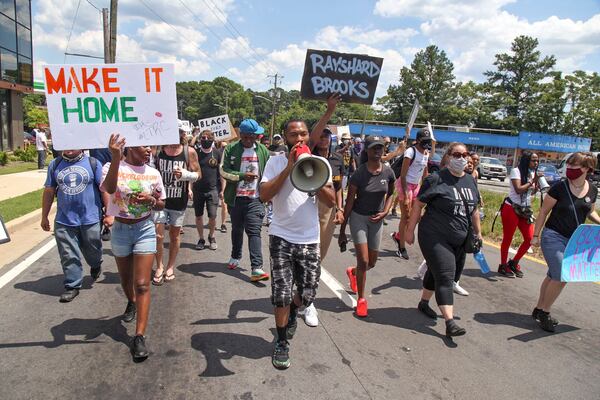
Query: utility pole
{"points": [[106, 31], [113, 30], [227, 101], [275, 93]]}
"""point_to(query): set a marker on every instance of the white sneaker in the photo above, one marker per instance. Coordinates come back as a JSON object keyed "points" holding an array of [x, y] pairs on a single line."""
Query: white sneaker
{"points": [[422, 269], [459, 290], [311, 316]]}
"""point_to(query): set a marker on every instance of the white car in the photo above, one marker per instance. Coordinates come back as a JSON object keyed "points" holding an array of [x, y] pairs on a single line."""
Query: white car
{"points": [[490, 167]]}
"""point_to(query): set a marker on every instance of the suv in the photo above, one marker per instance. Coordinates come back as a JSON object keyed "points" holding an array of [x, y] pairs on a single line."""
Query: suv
{"points": [[491, 168]]}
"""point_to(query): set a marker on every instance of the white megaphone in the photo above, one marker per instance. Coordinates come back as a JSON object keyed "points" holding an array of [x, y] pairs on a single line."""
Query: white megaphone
{"points": [[309, 173], [543, 184]]}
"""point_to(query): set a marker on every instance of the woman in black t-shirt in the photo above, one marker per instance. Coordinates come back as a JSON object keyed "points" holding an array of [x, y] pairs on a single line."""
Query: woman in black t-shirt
{"points": [[443, 230], [369, 201], [569, 203]]}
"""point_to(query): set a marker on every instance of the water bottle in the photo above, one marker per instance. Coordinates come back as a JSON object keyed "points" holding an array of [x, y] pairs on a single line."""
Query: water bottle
{"points": [[483, 265]]}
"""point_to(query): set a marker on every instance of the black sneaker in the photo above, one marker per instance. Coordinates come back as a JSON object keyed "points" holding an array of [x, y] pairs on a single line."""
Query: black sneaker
{"points": [[68, 295], [291, 329], [394, 212], [546, 321], [454, 330], [425, 309], [505, 271], [403, 253], [95, 273], [515, 268], [212, 243], [105, 235], [281, 355], [223, 228], [536, 315], [201, 244], [138, 347], [130, 311]]}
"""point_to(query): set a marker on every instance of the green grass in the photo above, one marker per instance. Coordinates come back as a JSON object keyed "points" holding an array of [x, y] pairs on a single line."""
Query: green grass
{"points": [[16, 207], [17, 166]]}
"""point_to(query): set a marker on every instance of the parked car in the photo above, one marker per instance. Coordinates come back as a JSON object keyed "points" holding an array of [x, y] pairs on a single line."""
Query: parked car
{"points": [[28, 138], [550, 173], [433, 164], [490, 167]]}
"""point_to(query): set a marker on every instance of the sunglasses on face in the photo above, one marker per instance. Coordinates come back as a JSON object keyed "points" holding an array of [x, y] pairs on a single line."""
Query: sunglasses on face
{"points": [[457, 154]]}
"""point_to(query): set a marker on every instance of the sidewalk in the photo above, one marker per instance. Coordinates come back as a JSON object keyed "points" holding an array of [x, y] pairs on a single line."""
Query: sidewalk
{"points": [[25, 232], [12, 185]]}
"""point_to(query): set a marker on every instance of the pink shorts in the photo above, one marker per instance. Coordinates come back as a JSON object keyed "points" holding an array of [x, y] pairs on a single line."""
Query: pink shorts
{"points": [[413, 190]]}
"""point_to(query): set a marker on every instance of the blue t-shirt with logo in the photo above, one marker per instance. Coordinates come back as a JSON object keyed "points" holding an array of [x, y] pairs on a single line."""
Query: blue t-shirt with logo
{"points": [[78, 198]]}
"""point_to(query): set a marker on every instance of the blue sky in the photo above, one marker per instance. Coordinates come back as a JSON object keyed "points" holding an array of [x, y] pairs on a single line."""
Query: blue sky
{"points": [[272, 36]]}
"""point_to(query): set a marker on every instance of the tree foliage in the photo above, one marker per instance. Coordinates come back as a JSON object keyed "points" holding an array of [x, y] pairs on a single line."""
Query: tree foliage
{"points": [[34, 110]]}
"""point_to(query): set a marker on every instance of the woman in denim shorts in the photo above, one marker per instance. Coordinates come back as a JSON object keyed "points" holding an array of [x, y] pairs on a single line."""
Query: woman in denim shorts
{"points": [[569, 202], [135, 190]]}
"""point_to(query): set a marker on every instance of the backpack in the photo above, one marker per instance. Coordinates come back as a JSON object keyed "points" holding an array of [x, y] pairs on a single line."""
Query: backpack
{"points": [[397, 164]]}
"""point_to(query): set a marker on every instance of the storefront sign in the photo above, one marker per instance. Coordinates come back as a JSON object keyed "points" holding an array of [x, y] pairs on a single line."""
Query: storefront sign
{"points": [[556, 143]]}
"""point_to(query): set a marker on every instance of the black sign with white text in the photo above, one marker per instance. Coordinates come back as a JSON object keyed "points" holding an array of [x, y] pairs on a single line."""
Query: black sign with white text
{"points": [[353, 76]]}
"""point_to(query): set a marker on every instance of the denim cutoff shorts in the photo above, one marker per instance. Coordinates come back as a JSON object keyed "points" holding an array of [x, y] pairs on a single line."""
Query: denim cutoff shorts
{"points": [[138, 238], [553, 247]]}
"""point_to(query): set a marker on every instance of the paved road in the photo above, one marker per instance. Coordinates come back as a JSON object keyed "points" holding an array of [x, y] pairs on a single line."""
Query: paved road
{"points": [[211, 337]]}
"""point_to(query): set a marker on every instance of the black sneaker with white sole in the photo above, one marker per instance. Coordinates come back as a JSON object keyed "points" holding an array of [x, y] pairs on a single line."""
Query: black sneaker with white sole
{"points": [[68, 295], [138, 347], [130, 311], [201, 244], [281, 355], [95, 273]]}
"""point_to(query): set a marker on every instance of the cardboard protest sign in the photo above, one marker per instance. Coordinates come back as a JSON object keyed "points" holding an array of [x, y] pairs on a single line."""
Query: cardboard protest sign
{"points": [[4, 236], [581, 261], [353, 76], [86, 103], [219, 126]]}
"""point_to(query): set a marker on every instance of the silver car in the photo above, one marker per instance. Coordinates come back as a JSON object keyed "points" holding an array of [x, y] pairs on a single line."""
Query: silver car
{"points": [[490, 167]]}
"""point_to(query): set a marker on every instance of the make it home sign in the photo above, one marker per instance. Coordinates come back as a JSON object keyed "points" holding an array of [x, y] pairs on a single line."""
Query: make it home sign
{"points": [[353, 76]]}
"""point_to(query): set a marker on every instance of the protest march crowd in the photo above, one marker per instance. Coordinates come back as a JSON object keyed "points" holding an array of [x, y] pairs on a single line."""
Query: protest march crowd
{"points": [[134, 196]]}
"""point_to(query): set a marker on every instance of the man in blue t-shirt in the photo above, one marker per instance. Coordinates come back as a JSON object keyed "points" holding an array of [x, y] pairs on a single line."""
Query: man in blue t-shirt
{"points": [[74, 179]]}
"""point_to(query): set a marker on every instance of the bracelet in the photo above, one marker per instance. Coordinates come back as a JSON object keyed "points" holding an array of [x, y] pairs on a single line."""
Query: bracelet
{"points": [[537, 236]]}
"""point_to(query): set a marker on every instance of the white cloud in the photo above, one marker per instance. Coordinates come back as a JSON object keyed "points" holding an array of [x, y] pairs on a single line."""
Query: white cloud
{"points": [[292, 56], [438, 8], [238, 48]]}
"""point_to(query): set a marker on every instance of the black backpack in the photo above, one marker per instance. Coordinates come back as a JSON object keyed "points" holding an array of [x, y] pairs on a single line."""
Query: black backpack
{"points": [[397, 164]]}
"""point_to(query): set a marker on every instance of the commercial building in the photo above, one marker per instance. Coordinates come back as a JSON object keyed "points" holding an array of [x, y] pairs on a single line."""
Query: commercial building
{"points": [[549, 147], [16, 69]]}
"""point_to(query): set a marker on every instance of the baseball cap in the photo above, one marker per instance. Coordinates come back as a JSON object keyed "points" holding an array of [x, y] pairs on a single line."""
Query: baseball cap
{"points": [[373, 141], [251, 126], [346, 135], [277, 136], [326, 131], [423, 134]]}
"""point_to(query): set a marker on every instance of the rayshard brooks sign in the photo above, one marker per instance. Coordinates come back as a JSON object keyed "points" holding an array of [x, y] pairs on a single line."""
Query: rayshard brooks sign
{"points": [[353, 76], [86, 103]]}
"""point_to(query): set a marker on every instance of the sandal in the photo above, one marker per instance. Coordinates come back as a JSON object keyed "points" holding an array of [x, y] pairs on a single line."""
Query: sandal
{"points": [[169, 278], [158, 280]]}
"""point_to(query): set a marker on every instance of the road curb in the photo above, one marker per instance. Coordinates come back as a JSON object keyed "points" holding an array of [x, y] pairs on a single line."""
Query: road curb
{"points": [[24, 220]]}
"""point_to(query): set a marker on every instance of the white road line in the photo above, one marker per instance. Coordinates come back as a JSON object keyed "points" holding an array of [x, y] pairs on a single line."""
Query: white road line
{"points": [[337, 288], [23, 265]]}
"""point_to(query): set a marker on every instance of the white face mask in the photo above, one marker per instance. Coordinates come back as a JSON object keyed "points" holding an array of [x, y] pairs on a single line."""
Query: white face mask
{"points": [[457, 165]]}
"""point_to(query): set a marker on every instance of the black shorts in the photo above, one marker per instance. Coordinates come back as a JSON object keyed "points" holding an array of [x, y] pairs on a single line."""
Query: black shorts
{"points": [[210, 199], [293, 263]]}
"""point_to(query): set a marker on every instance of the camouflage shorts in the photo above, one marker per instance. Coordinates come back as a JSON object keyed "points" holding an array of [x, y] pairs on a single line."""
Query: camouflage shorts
{"points": [[291, 264]]}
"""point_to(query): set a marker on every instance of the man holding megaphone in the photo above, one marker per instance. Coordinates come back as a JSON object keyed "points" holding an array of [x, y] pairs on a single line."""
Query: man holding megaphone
{"points": [[294, 231]]}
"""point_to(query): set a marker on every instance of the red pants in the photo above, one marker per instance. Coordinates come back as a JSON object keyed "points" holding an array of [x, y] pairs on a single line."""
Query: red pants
{"points": [[510, 222]]}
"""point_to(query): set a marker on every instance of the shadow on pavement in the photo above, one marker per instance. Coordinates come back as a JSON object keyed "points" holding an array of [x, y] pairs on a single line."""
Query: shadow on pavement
{"points": [[523, 321], [200, 269], [48, 285], [91, 329], [219, 346], [403, 282], [475, 273], [407, 318]]}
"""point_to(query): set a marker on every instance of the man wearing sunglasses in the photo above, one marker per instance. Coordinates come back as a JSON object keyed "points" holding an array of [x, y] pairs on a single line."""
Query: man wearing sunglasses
{"points": [[414, 170]]}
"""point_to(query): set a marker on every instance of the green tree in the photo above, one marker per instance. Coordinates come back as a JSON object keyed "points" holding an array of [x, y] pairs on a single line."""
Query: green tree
{"points": [[34, 110], [516, 84], [429, 79], [583, 103]]}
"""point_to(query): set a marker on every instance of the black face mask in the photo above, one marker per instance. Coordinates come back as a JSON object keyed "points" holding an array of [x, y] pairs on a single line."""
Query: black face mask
{"points": [[206, 144], [426, 145]]}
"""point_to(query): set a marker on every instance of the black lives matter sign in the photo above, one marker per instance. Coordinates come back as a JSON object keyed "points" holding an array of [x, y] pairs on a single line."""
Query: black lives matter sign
{"points": [[353, 76]]}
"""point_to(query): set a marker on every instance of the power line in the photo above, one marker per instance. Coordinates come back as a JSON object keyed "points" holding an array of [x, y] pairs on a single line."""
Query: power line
{"points": [[93, 5], [225, 20], [214, 33], [71, 32], [202, 53]]}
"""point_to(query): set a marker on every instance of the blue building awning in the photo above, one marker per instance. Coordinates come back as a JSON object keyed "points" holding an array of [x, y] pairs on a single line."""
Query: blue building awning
{"points": [[525, 140]]}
